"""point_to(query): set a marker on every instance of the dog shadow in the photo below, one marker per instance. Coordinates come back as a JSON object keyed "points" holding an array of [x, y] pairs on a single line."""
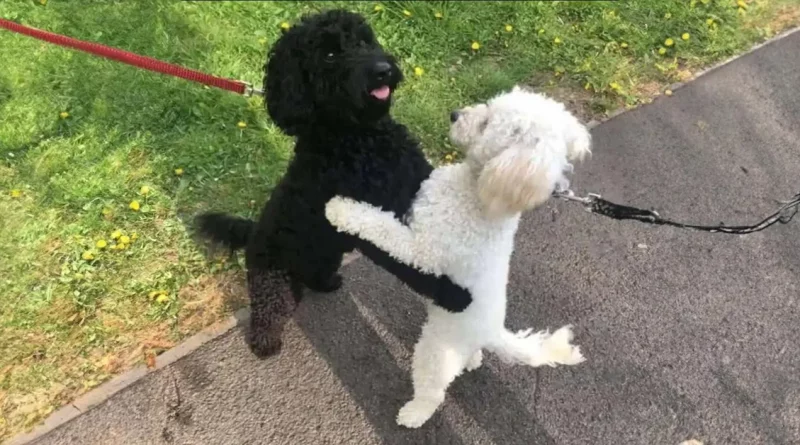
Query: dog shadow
{"points": [[355, 346]]}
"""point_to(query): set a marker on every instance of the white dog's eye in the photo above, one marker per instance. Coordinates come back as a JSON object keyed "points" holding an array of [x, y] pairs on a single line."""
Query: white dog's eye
{"points": [[330, 57]]}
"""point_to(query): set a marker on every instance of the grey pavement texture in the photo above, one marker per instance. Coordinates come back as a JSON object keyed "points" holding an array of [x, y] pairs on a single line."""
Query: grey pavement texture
{"points": [[686, 334]]}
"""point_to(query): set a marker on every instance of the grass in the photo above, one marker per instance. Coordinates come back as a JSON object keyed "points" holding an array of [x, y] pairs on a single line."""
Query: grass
{"points": [[81, 136]]}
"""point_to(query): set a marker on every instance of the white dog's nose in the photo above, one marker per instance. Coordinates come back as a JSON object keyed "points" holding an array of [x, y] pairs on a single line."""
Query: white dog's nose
{"points": [[453, 116]]}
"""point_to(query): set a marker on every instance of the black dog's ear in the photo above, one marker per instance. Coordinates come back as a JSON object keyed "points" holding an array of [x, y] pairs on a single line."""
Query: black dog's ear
{"points": [[287, 98]]}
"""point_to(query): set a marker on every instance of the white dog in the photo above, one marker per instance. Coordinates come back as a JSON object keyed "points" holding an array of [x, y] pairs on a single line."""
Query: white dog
{"points": [[518, 147]]}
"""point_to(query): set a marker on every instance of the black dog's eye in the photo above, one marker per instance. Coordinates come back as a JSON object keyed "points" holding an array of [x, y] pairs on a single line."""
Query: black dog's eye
{"points": [[330, 57]]}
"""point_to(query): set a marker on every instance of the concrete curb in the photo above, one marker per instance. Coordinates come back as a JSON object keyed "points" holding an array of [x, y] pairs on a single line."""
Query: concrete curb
{"points": [[105, 391]]}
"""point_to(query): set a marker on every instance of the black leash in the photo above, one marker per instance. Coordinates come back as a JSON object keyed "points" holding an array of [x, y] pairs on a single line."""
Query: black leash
{"points": [[595, 204]]}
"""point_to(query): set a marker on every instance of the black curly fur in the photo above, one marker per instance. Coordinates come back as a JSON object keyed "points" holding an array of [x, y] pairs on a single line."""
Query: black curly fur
{"points": [[318, 78]]}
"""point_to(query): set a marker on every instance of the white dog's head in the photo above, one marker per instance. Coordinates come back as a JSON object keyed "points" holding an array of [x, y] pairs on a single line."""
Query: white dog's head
{"points": [[520, 143]]}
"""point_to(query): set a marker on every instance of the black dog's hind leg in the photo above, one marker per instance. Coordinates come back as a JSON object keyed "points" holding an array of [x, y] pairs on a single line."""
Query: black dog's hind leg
{"points": [[274, 295]]}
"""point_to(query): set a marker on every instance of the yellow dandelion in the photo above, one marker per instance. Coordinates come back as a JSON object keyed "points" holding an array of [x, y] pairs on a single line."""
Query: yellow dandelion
{"points": [[541, 31], [407, 13], [88, 255], [685, 36], [509, 28], [418, 71], [134, 205], [438, 15], [668, 93], [623, 45], [448, 157], [662, 50], [262, 41], [162, 298], [378, 8], [106, 211], [63, 115], [101, 244], [742, 4], [16, 193], [475, 46], [709, 22], [145, 190], [116, 234], [615, 86], [669, 42], [668, 15], [124, 239], [178, 171], [241, 125], [557, 40], [43, 2], [285, 26]]}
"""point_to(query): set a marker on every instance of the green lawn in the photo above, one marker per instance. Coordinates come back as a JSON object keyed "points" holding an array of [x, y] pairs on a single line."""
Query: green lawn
{"points": [[81, 138]]}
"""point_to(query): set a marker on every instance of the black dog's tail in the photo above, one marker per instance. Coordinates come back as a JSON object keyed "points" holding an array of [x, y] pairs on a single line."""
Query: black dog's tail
{"points": [[230, 231]]}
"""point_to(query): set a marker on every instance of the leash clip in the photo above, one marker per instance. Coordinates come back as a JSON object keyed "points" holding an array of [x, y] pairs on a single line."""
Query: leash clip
{"points": [[249, 91]]}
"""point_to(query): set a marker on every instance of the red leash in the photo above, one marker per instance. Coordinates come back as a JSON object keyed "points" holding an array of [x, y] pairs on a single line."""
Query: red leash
{"points": [[148, 63]]}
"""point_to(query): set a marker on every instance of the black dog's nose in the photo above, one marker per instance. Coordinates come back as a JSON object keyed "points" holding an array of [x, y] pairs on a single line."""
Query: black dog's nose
{"points": [[453, 116], [382, 69]]}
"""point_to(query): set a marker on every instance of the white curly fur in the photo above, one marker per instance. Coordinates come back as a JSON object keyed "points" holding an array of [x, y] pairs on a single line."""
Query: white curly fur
{"points": [[518, 147]]}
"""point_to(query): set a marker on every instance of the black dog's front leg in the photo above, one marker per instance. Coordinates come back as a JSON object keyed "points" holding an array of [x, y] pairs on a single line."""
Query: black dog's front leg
{"points": [[440, 289]]}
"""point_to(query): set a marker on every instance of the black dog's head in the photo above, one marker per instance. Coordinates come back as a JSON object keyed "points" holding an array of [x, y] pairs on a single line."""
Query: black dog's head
{"points": [[329, 70]]}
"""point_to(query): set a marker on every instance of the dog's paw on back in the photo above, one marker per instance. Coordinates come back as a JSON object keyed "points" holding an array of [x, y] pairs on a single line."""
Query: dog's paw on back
{"points": [[263, 344], [326, 285], [557, 348]]}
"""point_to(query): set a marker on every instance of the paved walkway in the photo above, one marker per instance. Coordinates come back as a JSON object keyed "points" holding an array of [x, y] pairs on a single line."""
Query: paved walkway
{"points": [[687, 335]]}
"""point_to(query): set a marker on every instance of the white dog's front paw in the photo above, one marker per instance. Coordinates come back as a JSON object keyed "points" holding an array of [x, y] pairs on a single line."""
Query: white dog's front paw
{"points": [[416, 412], [557, 349], [337, 211], [475, 361]]}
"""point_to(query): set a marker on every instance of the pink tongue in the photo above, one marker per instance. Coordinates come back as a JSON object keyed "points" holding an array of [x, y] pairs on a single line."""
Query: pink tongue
{"points": [[381, 93]]}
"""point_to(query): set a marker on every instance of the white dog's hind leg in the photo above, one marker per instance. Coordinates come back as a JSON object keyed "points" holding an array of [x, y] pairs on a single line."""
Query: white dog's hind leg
{"points": [[541, 348], [435, 365], [475, 361]]}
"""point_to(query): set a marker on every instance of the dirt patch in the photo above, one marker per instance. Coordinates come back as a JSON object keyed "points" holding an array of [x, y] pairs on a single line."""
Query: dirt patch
{"points": [[208, 298], [787, 17]]}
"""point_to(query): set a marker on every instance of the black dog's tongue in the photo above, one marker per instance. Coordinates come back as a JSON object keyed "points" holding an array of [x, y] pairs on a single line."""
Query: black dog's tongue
{"points": [[381, 93]]}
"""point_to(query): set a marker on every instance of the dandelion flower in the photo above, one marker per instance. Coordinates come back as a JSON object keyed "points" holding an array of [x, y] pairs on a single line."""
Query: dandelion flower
{"points": [[742, 4], [669, 42], [438, 15], [16, 193], [124, 239], [668, 15], [685, 36], [88, 255], [668, 93], [162, 298], [407, 13], [418, 71], [475, 46], [509, 28], [623, 45], [557, 40], [378, 8], [541, 31], [178, 171], [285, 26], [43, 2], [63, 115], [134, 205], [106, 212], [144, 190], [101, 244], [116, 234], [662, 50], [448, 157], [262, 41], [242, 124], [615, 86], [709, 22]]}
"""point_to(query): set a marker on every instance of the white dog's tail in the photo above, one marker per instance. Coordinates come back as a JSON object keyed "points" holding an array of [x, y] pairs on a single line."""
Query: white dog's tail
{"points": [[539, 349]]}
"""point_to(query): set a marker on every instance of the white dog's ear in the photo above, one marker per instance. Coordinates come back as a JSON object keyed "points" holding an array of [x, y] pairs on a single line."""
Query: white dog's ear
{"points": [[514, 181], [579, 141]]}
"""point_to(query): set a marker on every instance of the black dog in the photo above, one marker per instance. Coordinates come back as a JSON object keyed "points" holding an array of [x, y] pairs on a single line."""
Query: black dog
{"points": [[329, 84]]}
